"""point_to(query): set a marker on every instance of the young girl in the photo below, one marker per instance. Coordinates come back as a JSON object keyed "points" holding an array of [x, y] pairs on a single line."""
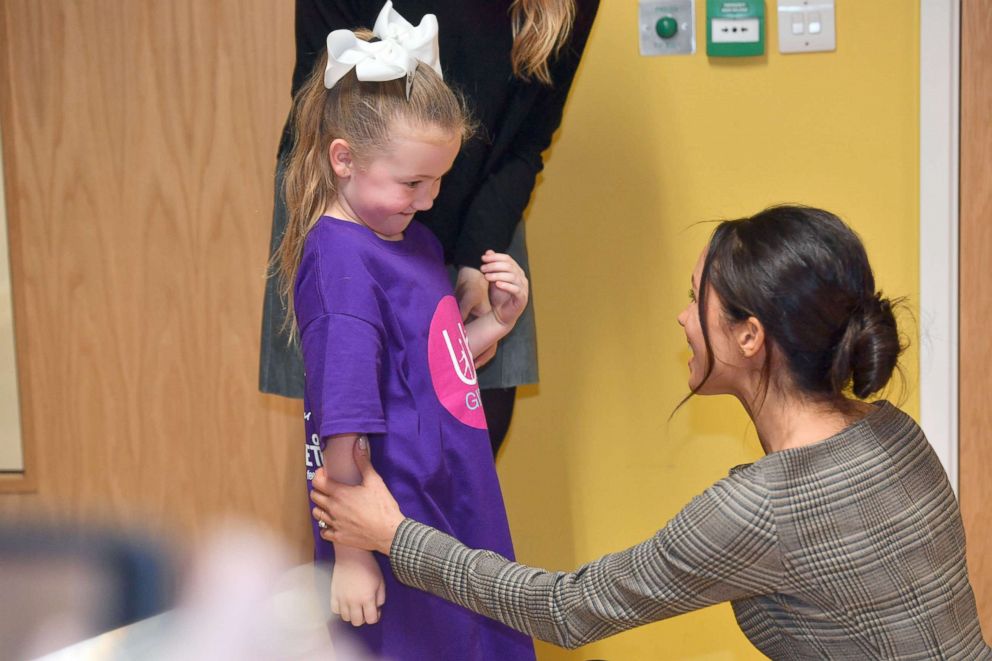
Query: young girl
{"points": [[515, 62], [385, 351]]}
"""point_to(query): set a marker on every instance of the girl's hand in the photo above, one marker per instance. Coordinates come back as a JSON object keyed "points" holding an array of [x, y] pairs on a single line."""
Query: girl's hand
{"points": [[357, 588], [508, 288]]}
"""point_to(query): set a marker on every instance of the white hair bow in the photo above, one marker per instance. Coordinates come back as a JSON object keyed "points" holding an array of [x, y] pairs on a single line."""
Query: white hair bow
{"points": [[395, 55]]}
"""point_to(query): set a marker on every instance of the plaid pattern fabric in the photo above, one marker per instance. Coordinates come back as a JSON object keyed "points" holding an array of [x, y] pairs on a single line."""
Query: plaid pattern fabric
{"points": [[849, 548]]}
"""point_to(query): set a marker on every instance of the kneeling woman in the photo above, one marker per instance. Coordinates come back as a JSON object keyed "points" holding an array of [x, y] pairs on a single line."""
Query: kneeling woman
{"points": [[845, 540]]}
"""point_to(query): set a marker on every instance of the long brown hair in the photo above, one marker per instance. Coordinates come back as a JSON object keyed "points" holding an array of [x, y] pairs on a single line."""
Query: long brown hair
{"points": [[540, 29], [364, 114]]}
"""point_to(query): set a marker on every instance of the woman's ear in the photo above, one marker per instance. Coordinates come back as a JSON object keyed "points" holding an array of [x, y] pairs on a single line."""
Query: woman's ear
{"points": [[342, 160], [750, 336]]}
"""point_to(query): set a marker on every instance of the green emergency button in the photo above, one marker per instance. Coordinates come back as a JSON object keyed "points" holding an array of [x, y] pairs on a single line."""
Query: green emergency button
{"points": [[666, 27]]}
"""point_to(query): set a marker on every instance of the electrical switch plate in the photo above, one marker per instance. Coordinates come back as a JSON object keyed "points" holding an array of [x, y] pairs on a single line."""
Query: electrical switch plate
{"points": [[735, 28], [666, 27], [806, 26]]}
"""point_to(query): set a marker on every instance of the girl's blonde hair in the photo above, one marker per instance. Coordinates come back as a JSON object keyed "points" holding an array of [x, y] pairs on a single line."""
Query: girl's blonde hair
{"points": [[540, 30], [363, 114]]}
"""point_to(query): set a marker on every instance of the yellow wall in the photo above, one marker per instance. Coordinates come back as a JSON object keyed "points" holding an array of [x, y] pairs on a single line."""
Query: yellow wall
{"points": [[649, 146]]}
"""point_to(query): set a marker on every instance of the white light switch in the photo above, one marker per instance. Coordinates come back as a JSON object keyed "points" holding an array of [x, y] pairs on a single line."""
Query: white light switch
{"points": [[806, 26]]}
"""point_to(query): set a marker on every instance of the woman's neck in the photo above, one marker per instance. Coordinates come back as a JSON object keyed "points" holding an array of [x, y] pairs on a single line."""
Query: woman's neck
{"points": [[785, 422]]}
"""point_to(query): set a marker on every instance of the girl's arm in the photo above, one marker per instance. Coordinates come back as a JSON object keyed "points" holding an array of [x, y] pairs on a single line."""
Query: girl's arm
{"points": [[357, 587], [484, 332], [508, 292], [339, 462]]}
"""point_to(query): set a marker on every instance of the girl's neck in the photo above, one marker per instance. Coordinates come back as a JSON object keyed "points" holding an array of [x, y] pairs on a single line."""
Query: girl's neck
{"points": [[341, 211], [784, 422]]}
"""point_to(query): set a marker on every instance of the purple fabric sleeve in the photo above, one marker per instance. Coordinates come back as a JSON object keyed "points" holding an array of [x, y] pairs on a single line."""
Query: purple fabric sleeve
{"points": [[343, 355]]}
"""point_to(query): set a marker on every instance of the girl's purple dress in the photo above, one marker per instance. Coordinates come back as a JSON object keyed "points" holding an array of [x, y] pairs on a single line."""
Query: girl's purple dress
{"points": [[385, 354]]}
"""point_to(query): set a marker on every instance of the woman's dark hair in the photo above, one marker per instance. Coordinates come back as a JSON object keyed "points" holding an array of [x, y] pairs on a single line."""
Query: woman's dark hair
{"points": [[805, 276]]}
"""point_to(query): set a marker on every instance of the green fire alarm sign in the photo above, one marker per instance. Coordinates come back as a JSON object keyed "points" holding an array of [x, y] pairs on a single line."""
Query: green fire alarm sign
{"points": [[735, 28]]}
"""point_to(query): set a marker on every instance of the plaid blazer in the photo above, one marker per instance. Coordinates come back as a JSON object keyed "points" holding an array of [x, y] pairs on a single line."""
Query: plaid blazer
{"points": [[852, 547]]}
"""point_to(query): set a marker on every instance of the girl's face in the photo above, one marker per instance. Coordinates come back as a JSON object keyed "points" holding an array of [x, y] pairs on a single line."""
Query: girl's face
{"points": [[384, 192], [728, 366]]}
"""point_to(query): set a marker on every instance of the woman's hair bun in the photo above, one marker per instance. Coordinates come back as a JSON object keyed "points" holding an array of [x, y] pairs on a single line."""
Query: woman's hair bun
{"points": [[867, 354]]}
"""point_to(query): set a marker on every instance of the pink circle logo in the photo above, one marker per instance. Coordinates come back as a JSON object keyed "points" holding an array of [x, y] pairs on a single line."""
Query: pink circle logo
{"points": [[452, 367]]}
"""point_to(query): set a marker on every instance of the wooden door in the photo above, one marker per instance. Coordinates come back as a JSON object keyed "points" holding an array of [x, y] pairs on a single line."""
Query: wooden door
{"points": [[139, 143], [976, 298]]}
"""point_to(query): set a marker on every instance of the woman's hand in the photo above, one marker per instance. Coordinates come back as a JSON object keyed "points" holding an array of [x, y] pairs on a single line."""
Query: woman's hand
{"points": [[508, 288], [366, 515], [471, 292], [357, 589]]}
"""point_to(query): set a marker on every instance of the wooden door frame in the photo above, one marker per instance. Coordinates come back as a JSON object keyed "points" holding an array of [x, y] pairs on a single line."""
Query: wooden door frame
{"points": [[940, 93], [976, 244]]}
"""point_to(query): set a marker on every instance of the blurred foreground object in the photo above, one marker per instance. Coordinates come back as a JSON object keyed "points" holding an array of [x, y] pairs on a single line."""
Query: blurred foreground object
{"points": [[61, 584], [244, 600]]}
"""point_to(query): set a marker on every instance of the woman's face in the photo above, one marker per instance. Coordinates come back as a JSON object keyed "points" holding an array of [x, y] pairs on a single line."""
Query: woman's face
{"points": [[728, 363]]}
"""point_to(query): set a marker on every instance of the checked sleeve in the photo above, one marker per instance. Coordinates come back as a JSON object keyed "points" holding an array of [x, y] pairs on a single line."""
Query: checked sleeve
{"points": [[722, 546]]}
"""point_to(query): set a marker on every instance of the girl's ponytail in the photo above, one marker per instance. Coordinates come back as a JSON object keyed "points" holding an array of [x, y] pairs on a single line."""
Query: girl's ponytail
{"points": [[308, 185]]}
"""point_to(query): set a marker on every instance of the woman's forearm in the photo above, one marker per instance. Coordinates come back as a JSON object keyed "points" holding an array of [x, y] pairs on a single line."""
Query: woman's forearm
{"points": [[429, 560], [566, 609], [716, 549]]}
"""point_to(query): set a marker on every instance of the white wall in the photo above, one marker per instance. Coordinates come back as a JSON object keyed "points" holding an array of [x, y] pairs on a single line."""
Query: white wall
{"points": [[11, 456]]}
